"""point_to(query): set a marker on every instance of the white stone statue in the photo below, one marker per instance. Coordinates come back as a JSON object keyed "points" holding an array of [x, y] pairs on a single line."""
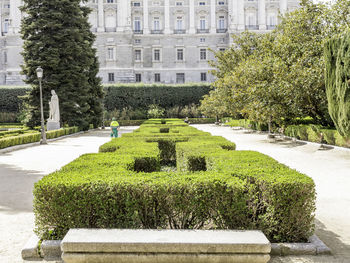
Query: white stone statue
{"points": [[54, 108]]}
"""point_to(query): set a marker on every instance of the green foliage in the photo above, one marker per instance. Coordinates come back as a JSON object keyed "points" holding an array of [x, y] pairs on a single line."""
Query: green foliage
{"points": [[57, 37], [155, 111], [214, 187], [11, 98], [337, 56], [140, 96], [279, 76], [30, 137]]}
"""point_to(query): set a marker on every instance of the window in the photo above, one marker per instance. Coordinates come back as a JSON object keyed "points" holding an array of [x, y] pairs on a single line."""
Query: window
{"points": [[202, 23], [136, 4], [110, 1], [221, 22], [179, 23], [157, 77], [137, 41], [110, 53], [272, 20], [203, 54], [222, 49], [221, 2], [156, 56], [202, 40], [110, 77], [138, 77], [180, 77], [201, 3], [204, 76], [5, 57], [137, 24], [6, 25], [179, 3], [180, 54], [156, 24], [137, 55]]}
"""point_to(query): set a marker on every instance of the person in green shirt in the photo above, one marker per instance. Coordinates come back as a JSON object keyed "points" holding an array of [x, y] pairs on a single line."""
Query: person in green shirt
{"points": [[114, 128]]}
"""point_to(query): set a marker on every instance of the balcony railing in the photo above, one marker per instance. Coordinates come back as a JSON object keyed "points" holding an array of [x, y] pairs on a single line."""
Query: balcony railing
{"points": [[156, 31], [179, 31], [138, 31], [252, 27], [202, 31], [271, 27], [221, 30], [111, 29]]}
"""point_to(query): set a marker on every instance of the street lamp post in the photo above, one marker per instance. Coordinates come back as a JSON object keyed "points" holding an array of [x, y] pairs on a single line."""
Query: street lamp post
{"points": [[39, 74]]}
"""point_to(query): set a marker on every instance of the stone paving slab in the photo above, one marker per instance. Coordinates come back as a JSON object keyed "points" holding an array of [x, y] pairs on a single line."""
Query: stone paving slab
{"points": [[165, 241]]}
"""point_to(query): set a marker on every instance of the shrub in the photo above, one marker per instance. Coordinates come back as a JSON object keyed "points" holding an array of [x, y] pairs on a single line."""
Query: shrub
{"points": [[214, 187], [11, 98], [34, 137], [314, 133], [328, 136], [155, 111], [140, 96]]}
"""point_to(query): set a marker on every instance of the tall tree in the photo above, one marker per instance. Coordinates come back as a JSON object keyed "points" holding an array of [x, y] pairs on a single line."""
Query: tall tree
{"points": [[57, 37], [337, 55]]}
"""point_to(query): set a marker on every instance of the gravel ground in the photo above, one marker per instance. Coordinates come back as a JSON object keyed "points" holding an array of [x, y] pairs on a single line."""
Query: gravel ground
{"points": [[330, 169], [19, 170]]}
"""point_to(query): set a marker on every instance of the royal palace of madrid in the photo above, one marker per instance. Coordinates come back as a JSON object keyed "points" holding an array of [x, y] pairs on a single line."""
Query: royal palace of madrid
{"points": [[150, 41]]}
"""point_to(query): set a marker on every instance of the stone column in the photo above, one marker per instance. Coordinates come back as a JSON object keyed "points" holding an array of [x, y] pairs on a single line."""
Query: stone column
{"points": [[101, 17], [192, 15], [145, 17], [283, 6], [166, 17], [262, 15], [230, 16], [15, 16], [1, 6], [213, 16], [240, 15]]}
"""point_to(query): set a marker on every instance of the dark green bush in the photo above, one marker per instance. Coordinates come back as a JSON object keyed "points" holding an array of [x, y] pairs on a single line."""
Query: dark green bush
{"points": [[10, 98], [164, 130], [141, 96], [213, 188]]}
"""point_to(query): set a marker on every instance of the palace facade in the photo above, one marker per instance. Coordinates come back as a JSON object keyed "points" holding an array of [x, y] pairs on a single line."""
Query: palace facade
{"points": [[165, 41]]}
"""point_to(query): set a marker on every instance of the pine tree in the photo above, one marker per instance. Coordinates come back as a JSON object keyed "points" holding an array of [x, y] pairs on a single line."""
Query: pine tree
{"points": [[337, 58], [57, 37]]}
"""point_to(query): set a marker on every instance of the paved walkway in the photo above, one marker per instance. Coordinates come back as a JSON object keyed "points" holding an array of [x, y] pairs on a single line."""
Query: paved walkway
{"points": [[330, 170], [19, 170]]}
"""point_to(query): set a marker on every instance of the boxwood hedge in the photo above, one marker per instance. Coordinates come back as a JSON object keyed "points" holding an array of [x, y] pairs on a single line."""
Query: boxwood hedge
{"points": [[34, 137], [127, 185]]}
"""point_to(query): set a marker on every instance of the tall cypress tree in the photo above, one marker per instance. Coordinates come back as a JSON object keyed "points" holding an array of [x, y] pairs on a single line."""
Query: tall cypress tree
{"points": [[57, 37], [337, 59]]}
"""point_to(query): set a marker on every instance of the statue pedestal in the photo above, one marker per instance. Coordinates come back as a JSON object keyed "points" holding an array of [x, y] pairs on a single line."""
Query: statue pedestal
{"points": [[53, 125]]}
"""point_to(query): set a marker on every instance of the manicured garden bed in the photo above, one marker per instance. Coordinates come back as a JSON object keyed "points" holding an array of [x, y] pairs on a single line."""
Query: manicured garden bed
{"points": [[24, 136], [175, 176]]}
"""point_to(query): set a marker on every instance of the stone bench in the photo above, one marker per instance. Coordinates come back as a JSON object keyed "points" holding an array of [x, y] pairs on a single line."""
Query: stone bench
{"points": [[164, 246]]}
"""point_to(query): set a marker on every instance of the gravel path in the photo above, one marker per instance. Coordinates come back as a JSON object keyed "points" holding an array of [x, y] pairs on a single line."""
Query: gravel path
{"points": [[330, 170], [19, 170]]}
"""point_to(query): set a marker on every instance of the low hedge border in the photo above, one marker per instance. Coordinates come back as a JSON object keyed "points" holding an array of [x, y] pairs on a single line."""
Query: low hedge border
{"points": [[35, 137], [214, 187], [310, 132]]}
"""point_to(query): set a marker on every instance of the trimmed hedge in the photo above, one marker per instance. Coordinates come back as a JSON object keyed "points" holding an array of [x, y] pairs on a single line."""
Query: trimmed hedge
{"points": [[10, 100], [140, 96], [213, 187], [311, 132], [34, 137]]}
